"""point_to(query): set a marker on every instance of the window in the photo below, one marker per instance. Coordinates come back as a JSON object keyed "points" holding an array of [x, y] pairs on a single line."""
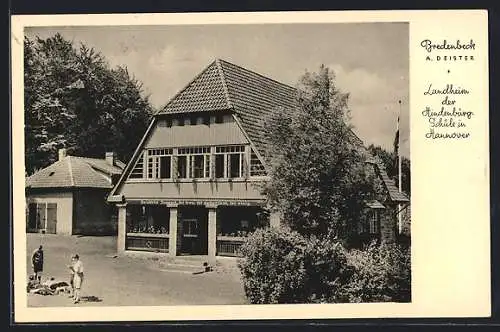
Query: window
{"points": [[192, 120], [137, 172], [182, 167], [159, 163], [165, 167], [229, 161], [206, 120], [219, 118], [234, 165], [219, 166], [256, 167], [190, 227], [197, 163], [374, 222], [196, 160]]}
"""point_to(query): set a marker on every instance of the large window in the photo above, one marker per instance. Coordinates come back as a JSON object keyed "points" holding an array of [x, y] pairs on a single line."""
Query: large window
{"points": [[197, 163], [159, 163], [229, 161], [194, 162]]}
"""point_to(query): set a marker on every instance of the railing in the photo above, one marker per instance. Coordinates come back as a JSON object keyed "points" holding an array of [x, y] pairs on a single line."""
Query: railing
{"points": [[229, 245], [147, 242]]}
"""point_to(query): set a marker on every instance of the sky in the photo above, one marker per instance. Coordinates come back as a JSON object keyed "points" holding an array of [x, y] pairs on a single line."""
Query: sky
{"points": [[370, 61]]}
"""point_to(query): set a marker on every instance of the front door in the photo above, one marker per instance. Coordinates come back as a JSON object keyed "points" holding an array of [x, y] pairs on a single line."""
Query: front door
{"points": [[40, 216], [194, 230], [51, 218]]}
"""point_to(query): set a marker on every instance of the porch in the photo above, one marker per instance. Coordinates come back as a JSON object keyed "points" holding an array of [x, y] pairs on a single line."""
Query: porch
{"points": [[186, 230]]}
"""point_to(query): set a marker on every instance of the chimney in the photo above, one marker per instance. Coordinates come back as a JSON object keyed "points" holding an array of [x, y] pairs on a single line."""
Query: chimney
{"points": [[110, 158], [62, 154]]}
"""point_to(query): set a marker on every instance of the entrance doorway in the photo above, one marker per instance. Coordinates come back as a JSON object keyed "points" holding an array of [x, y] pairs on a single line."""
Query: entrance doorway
{"points": [[193, 226], [42, 217]]}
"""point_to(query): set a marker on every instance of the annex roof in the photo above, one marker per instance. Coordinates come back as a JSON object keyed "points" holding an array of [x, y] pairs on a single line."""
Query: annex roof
{"points": [[394, 194], [73, 172]]}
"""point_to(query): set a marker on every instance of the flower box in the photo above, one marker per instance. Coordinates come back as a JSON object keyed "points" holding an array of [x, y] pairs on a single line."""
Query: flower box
{"points": [[155, 235]]}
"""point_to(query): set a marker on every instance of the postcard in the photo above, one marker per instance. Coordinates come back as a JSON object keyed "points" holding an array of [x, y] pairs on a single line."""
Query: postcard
{"points": [[250, 166]]}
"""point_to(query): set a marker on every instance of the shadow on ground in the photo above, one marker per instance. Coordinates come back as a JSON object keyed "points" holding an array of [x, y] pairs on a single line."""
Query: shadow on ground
{"points": [[90, 298]]}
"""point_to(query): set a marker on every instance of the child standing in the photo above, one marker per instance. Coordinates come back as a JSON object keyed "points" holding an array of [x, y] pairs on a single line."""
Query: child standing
{"points": [[77, 269]]}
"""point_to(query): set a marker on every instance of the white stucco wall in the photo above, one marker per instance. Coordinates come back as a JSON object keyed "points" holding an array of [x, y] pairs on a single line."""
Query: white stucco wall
{"points": [[64, 201]]}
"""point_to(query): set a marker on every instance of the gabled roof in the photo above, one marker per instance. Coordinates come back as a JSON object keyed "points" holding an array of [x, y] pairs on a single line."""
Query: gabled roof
{"points": [[74, 172], [394, 194], [223, 86]]}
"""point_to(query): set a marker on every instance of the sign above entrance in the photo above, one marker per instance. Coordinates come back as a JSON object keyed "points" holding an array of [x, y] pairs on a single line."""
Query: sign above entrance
{"points": [[206, 203]]}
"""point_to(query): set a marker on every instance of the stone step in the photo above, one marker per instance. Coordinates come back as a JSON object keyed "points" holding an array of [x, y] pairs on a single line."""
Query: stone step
{"points": [[182, 268], [185, 260]]}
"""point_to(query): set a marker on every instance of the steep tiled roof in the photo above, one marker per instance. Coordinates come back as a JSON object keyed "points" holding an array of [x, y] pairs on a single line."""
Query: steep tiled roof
{"points": [[223, 85], [204, 93], [75, 172]]}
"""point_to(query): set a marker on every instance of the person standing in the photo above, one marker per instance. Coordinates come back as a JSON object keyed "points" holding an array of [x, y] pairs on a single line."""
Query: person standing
{"points": [[37, 263], [77, 268]]}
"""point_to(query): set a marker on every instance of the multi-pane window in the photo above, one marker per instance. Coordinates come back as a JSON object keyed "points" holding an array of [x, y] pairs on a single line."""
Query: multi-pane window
{"points": [[229, 161], [137, 172], [374, 222], [159, 163], [197, 163], [256, 167], [193, 162]]}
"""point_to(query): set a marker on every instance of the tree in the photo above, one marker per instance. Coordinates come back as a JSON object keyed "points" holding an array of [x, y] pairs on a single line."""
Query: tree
{"points": [[319, 180], [73, 99], [389, 159]]}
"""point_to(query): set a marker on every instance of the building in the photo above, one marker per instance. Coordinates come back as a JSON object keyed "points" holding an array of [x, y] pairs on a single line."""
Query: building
{"points": [[192, 185], [69, 196]]}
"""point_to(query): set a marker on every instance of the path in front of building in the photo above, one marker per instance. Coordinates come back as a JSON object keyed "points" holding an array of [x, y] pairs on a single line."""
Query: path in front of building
{"points": [[125, 280]]}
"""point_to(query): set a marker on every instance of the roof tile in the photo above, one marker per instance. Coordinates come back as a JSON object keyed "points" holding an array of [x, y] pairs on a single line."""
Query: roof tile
{"points": [[223, 85], [75, 172]]}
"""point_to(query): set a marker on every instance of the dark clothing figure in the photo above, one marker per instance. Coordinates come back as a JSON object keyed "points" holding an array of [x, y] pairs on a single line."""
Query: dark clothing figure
{"points": [[37, 263]]}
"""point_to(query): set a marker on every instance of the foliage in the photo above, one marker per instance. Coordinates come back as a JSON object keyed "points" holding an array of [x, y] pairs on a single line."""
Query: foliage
{"points": [[389, 159], [319, 180], [74, 100], [282, 266], [383, 273]]}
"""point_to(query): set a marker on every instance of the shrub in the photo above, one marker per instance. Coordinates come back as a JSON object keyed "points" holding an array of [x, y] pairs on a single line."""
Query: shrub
{"points": [[273, 266], [383, 274], [281, 266]]}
